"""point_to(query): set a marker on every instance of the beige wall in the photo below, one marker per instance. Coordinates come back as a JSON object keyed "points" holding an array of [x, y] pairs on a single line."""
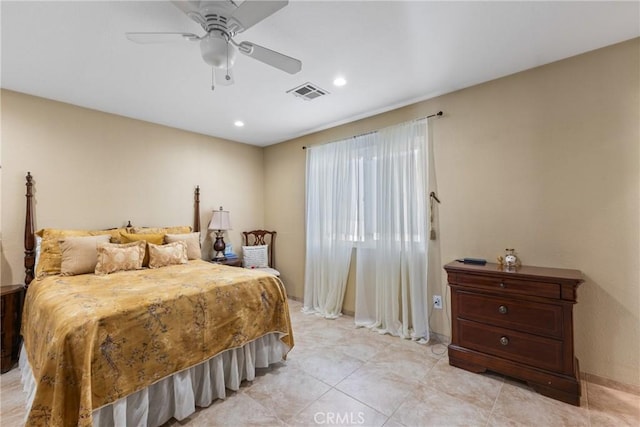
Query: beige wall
{"points": [[545, 161], [98, 170]]}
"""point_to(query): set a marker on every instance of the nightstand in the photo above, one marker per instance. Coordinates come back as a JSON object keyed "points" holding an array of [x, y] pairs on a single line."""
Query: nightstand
{"points": [[233, 262], [11, 312]]}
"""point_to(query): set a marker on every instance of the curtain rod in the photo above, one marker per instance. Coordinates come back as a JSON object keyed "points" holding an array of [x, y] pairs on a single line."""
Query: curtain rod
{"points": [[438, 114]]}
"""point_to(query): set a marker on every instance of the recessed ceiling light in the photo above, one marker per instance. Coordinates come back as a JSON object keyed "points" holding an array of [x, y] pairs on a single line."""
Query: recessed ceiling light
{"points": [[339, 81], [238, 123]]}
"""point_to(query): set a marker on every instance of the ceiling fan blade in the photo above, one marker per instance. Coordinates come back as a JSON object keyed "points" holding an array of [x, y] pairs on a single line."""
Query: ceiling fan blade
{"points": [[186, 6], [251, 12], [191, 8], [147, 38], [271, 57]]}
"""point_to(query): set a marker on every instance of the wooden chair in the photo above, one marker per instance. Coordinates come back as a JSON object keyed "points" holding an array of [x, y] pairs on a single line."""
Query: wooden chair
{"points": [[263, 237]]}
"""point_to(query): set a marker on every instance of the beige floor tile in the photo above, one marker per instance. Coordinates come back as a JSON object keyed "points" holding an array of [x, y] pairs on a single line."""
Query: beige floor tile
{"points": [[286, 391], [520, 403], [498, 421], [328, 365], [416, 364], [236, 410], [379, 387], [426, 406], [335, 408], [12, 399], [612, 407], [328, 336], [479, 389], [360, 344], [392, 423]]}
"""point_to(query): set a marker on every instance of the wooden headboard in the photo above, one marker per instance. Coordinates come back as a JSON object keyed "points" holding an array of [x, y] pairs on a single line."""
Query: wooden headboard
{"points": [[29, 229]]}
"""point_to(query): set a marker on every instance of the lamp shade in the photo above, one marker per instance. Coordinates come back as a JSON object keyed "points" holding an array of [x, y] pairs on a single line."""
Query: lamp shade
{"points": [[220, 220]]}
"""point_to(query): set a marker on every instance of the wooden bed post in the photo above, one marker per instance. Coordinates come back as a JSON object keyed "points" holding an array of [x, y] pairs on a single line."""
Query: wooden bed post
{"points": [[196, 210], [29, 236]]}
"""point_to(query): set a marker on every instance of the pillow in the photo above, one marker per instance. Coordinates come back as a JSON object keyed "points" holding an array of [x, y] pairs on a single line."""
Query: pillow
{"points": [[255, 256], [155, 238], [169, 254], [191, 239], [180, 229], [80, 254], [114, 257], [50, 259]]}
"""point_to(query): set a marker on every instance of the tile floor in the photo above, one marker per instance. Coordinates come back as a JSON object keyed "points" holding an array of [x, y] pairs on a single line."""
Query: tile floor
{"points": [[339, 375]]}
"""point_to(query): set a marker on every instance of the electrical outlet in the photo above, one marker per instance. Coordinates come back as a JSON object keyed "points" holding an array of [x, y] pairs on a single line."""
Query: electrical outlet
{"points": [[437, 302]]}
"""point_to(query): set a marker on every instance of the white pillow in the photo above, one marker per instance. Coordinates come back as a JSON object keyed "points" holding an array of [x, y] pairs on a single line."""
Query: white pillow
{"points": [[255, 256]]}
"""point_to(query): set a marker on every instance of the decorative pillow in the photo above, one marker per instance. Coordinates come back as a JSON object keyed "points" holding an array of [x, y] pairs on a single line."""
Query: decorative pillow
{"points": [[169, 254], [80, 254], [180, 229], [191, 239], [155, 238], [255, 256], [114, 257], [50, 259]]}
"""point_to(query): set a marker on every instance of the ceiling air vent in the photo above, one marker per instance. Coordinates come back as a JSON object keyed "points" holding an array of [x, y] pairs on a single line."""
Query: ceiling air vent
{"points": [[308, 91]]}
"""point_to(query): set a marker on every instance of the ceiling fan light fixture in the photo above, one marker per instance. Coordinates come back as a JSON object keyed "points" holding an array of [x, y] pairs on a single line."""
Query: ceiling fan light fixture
{"points": [[216, 51]]}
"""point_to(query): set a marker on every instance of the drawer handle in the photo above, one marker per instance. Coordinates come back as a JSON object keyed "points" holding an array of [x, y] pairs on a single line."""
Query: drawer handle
{"points": [[504, 340], [502, 309], [502, 285]]}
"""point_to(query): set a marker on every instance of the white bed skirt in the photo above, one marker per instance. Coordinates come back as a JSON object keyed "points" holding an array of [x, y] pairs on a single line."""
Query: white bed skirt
{"points": [[178, 395]]}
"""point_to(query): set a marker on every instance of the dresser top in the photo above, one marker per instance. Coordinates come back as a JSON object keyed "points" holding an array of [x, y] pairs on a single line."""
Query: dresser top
{"points": [[522, 271]]}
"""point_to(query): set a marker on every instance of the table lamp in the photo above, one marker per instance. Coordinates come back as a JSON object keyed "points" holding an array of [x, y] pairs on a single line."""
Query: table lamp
{"points": [[219, 223]]}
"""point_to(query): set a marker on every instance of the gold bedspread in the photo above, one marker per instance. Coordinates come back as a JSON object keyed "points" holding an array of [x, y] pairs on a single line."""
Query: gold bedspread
{"points": [[91, 339]]}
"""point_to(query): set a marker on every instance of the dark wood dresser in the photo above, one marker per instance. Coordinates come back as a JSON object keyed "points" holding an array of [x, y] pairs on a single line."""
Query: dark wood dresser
{"points": [[518, 323], [11, 312]]}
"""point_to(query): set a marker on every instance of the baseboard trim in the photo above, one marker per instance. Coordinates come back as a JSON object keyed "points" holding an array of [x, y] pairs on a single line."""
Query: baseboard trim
{"points": [[606, 382]]}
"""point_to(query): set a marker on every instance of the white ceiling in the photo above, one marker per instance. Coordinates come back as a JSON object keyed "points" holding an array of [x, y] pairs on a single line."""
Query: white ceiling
{"points": [[392, 54]]}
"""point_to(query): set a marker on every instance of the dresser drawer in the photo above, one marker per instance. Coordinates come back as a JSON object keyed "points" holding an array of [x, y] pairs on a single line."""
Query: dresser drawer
{"points": [[508, 285], [533, 350], [525, 316]]}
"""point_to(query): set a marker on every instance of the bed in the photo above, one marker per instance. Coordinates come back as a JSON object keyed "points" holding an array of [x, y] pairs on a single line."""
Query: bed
{"points": [[138, 347]]}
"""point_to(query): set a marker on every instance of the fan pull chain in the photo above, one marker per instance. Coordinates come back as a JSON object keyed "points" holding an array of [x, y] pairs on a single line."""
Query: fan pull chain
{"points": [[213, 78]]}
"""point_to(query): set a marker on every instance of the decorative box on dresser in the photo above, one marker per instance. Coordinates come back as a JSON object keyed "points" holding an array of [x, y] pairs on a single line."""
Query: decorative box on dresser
{"points": [[518, 323], [11, 312]]}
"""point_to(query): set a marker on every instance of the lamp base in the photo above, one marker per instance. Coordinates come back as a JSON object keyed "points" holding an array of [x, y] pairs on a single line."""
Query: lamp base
{"points": [[218, 247]]}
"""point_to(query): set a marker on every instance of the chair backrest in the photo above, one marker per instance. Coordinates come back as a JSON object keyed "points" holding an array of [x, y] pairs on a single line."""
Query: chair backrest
{"points": [[262, 237]]}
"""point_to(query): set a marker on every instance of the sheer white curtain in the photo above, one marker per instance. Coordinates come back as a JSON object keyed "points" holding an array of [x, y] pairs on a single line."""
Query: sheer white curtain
{"points": [[391, 274], [331, 206], [370, 192]]}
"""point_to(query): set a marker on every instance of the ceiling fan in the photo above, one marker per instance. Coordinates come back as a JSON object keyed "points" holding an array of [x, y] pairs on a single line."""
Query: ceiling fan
{"points": [[222, 20]]}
